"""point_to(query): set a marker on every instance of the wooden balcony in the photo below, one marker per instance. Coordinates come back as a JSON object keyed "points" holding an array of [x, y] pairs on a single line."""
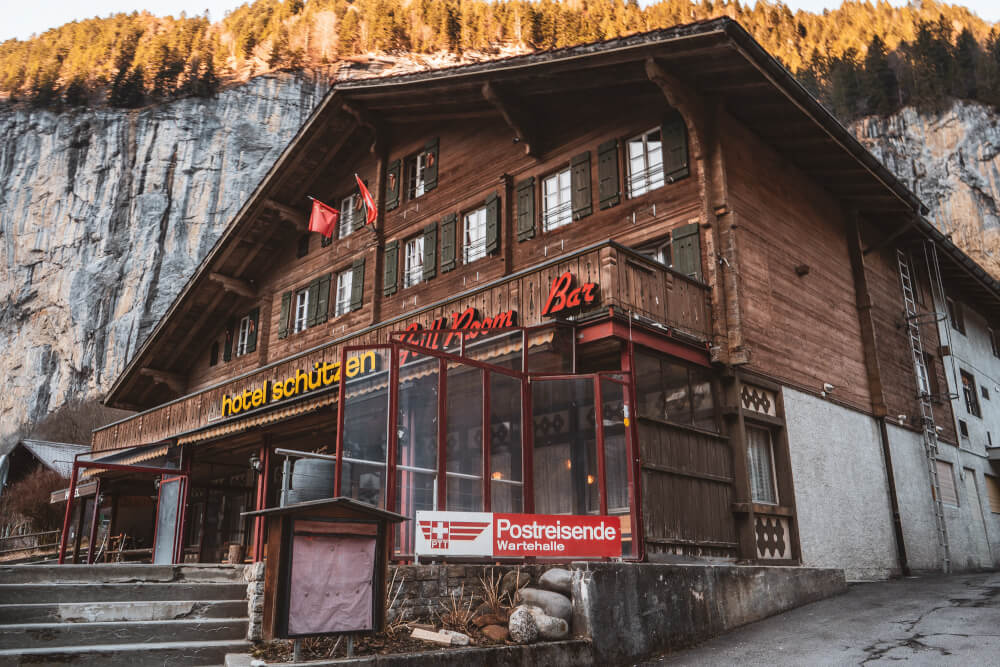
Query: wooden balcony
{"points": [[629, 283]]}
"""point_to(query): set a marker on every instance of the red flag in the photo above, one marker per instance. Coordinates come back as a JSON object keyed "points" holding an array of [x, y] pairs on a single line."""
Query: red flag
{"points": [[323, 218], [369, 201]]}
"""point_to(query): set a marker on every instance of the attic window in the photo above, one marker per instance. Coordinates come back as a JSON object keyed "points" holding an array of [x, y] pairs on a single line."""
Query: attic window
{"points": [[213, 354], [303, 248]]}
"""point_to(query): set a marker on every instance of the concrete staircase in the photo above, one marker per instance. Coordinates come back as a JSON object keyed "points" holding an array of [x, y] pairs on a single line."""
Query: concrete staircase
{"points": [[113, 615]]}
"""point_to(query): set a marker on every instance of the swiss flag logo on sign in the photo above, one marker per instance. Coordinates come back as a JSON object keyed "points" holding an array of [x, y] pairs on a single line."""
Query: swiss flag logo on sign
{"points": [[454, 533], [440, 533]]}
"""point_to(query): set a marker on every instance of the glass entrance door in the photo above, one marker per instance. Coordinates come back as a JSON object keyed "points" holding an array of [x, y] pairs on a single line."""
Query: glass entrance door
{"points": [[169, 508]]}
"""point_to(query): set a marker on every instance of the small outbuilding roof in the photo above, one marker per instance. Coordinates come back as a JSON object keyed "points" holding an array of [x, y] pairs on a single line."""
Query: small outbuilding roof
{"points": [[57, 456], [342, 502]]}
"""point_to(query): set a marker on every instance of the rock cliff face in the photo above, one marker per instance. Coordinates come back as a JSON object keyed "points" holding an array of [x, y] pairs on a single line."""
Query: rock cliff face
{"points": [[104, 215], [951, 160]]}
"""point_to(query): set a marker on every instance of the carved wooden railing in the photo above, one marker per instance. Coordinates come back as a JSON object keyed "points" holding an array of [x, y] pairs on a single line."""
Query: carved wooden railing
{"points": [[630, 283]]}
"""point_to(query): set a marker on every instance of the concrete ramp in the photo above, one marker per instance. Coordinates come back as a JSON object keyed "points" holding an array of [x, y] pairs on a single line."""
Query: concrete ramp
{"points": [[121, 614]]}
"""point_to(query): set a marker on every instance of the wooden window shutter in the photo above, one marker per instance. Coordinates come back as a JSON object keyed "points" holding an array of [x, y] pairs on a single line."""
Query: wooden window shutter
{"points": [[391, 260], [685, 249], [323, 299], [392, 185], [492, 223], [286, 307], [252, 334], [227, 351], [357, 283], [526, 209], [675, 147], [946, 482], [993, 491], [580, 183], [448, 225], [313, 302], [431, 165], [608, 189], [430, 251]]}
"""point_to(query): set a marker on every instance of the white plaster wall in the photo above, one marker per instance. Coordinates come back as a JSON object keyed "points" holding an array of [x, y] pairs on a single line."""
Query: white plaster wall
{"points": [[841, 493], [916, 504]]}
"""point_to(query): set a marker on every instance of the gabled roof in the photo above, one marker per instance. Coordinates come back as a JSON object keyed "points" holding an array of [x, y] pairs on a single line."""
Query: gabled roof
{"points": [[57, 456], [716, 58]]}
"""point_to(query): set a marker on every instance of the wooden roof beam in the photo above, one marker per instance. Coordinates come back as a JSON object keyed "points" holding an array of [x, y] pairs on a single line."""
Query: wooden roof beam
{"points": [[895, 234], [288, 213], [368, 120], [175, 382], [236, 285], [522, 127]]}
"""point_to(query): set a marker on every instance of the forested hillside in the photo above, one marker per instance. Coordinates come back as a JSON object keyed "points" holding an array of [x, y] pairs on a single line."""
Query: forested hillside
{"points": [[859, 59]]}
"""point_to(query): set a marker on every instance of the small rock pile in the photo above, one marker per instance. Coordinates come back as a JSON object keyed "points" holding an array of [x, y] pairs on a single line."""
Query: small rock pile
{"points": [[545, 613]]}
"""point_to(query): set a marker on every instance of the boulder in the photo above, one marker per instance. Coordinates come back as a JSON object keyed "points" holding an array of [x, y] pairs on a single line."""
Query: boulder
{"points": [[552, 603], [522, 627], [558, 580], [497, 633], [549, 627], [513, 581]]}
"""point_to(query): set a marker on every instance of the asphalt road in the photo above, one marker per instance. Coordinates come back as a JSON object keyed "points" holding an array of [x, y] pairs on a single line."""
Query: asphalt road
{"points": [[932, 620]]}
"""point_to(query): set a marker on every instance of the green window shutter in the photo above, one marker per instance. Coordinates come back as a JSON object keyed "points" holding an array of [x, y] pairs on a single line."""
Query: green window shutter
{"points": [[430, 251], [357, 283], [608, 190], [391, 260], [580, 184], [492, 223], [685, 248], [448, 224], [431, 165], [323, 300], [526, 209], [254, 321], [675, 147], [227, 352], [392, 185], [286, 307], [313, 302]]}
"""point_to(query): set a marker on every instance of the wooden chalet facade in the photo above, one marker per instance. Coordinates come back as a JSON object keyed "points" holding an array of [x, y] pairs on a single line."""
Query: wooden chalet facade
{"points": [[741, 252]]}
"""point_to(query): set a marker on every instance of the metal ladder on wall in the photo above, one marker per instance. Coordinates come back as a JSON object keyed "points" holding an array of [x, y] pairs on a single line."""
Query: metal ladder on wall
{"points": [[914, 320]]}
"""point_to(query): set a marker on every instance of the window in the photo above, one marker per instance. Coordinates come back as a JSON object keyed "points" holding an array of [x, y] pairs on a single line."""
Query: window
{"points": [[931, 375], [475, 235], [352, 215], [244, 336], [984, 391], [213, 354], [301, 310], [993, 491], [557, 201], [413, 272], [956, 316], [946, 482], [969, 390], [760, 465], [645, 163], [303, 248], [659, 251], [963, 428], [669, 390], [416, 167], [345, 281]]}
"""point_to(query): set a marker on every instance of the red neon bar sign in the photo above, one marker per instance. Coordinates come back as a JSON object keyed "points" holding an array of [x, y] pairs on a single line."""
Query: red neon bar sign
{"points": [[564, 296]]}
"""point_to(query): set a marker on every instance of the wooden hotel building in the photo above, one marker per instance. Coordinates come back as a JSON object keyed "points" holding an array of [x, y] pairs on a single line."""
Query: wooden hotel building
{"points": [[649, 277]]}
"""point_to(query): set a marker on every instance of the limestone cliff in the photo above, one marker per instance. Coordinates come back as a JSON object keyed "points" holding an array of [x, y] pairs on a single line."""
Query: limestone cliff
{"points": [[104, 215]]}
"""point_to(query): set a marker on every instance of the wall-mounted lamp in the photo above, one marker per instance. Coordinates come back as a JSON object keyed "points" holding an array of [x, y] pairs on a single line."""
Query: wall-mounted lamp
{"points": [[256, 464]]}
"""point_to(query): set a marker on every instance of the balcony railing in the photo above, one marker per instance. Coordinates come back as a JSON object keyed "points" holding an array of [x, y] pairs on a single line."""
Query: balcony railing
{"points": [[632, 284]]}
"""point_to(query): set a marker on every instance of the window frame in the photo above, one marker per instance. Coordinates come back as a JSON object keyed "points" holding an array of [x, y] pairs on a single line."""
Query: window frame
{"points": [[301, 306], [415, 181], [242, 337], [477, 250], [657, 248], [564, 208], [349, 215], [956, 316], [972, 406], [771, 437], [413, 275], [649, 179], [337, 301], [302, 247]]}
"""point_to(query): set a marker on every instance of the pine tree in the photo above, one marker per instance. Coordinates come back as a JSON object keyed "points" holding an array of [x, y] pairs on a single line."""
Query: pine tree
{"points": [[878, 81]]}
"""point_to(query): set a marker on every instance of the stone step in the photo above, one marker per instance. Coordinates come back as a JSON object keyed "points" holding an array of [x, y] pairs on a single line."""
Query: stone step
{"points": [[94, 612], [42, 635], [119, 573], [127, 655], [120, 592]]}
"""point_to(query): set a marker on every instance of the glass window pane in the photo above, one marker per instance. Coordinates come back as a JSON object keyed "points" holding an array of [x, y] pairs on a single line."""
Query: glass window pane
{"points": [[464, 461], [565, 447], [662, 388], [702, 399], [417, 445], [366, 428], [616, 458], [759, 463], [506, 479]]}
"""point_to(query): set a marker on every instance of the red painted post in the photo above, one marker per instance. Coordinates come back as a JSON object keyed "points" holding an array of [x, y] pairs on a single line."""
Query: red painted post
{"points": [[69, 511], [93, 523]]}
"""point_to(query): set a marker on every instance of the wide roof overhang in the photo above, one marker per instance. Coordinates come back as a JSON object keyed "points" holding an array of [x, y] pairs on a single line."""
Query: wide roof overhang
{"points": [[716, 58]]}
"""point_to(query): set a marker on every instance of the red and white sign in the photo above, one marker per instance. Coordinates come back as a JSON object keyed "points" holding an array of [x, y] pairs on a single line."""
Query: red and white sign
{"points": [[498, 535]]}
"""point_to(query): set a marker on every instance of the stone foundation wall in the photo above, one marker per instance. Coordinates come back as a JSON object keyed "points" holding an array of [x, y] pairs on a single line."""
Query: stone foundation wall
{"points": [[254, 576]]}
